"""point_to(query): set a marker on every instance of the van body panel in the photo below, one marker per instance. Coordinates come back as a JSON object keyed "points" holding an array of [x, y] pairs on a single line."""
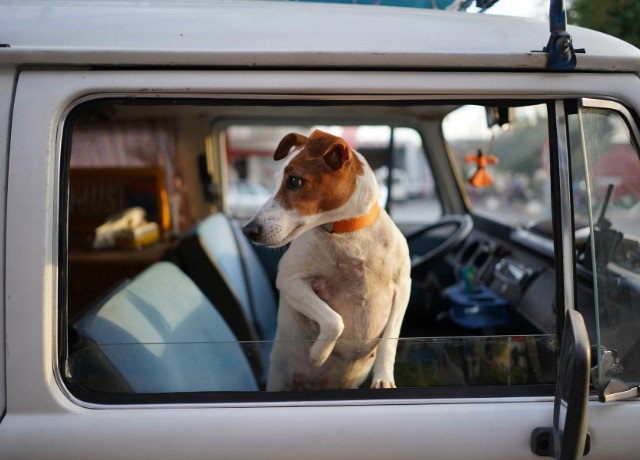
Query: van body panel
{"points": [[285, 34]]}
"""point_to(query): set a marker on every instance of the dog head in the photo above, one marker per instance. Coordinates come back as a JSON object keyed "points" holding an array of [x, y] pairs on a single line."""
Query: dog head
{"points": [[322, 181]]}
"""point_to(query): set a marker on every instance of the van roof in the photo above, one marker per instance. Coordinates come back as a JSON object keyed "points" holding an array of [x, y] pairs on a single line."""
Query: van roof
{"points": [[262, 34]]}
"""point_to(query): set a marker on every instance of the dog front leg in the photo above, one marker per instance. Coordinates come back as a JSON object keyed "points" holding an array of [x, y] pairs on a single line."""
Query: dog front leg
{"points": [[386, 357], [300, 296]]}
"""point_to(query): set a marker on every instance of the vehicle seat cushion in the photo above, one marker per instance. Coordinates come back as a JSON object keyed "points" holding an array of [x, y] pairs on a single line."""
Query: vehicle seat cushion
{"points": [[227, 248], [219, 242], [163, 335], [261, 291]]}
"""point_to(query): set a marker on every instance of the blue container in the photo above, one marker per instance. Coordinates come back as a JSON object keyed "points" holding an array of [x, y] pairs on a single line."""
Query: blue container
{"points": [[477, 307]]}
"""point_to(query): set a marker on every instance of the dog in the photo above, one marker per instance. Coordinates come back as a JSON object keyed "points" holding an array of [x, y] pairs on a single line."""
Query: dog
{"points": [[346, 274]]}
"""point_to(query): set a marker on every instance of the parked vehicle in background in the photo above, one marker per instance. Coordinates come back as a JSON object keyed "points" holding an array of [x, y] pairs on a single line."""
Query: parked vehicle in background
{"points": [[399, 187], [245, 198]]}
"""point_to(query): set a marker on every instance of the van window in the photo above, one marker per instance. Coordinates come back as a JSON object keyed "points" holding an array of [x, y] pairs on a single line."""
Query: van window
{"points": [[163, 299], [606, 187], [517, 157]]}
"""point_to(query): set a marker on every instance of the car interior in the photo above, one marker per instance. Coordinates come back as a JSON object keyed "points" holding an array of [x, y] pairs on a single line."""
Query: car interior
{"points": [[162, 295]]}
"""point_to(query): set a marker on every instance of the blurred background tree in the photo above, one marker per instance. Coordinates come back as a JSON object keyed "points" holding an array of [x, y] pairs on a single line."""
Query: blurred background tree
{"points": [[620, 18]]}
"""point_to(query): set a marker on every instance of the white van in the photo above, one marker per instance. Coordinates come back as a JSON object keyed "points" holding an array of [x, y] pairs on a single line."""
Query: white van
{"points": [[152, 340]]}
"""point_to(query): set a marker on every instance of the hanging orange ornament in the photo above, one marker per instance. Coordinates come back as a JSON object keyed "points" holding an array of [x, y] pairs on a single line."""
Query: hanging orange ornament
{"points": [[481, 177]]}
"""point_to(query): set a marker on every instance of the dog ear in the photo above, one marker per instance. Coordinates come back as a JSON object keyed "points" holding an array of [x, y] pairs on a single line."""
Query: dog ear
{"points": [[288, 141], [337, 154], [333, 150]]}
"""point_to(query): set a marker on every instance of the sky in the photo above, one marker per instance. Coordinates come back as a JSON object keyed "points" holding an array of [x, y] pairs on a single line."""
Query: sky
{"points": [[528, 8]]}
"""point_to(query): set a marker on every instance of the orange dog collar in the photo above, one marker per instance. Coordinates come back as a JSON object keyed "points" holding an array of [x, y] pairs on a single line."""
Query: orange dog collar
{"points": [[356, 223]]}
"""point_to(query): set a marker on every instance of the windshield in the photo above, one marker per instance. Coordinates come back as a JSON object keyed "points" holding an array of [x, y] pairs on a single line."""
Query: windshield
{"points": [[503, 158]]}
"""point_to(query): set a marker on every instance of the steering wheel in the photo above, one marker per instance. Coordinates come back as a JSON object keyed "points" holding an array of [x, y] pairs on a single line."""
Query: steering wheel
{"points": [[463, 225]]}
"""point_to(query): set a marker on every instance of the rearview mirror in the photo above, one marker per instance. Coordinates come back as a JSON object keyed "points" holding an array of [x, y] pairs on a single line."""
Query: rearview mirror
{"points": [[568, 438], [500, 116]]}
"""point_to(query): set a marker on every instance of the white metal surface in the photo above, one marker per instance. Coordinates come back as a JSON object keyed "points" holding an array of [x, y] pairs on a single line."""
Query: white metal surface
{"points": [[7, 81], [44, 421], [290, 34]]}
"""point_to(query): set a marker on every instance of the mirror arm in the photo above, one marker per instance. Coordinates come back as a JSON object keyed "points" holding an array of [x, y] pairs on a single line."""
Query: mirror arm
{"points": [[561, 55], [560, 52]]}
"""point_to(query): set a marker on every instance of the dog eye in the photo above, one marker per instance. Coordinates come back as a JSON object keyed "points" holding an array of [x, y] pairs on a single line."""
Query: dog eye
{"points": [[294, 183]]}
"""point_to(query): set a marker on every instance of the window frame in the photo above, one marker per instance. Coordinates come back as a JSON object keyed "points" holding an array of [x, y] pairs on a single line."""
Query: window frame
{"points": [[430, 393]]}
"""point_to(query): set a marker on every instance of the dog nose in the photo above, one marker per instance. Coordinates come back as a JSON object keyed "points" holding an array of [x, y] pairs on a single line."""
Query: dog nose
{"points": [[252, 230]]}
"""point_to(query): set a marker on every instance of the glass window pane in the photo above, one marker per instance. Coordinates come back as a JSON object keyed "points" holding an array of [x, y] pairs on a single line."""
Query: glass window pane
{"points": [[164, 293], [144, 368], [607, 198], [511, 182]]}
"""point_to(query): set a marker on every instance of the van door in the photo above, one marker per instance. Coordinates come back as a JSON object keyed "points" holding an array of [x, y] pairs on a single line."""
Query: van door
{"points": [[494, 422]]}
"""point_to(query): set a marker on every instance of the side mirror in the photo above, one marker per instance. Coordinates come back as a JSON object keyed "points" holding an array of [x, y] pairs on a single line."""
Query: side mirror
{"points": [[568, 438]]}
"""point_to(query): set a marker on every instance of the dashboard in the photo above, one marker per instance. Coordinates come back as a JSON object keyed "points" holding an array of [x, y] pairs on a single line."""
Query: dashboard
{"points": [[517, 265]]}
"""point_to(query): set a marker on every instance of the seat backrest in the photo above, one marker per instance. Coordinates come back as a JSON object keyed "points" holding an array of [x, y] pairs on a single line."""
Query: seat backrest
{"points": [[223, 264], [162, 335], [219, 243], [261, 294], [217, 251]]}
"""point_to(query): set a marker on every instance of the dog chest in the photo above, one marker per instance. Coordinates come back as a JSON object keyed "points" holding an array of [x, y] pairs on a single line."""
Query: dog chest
{"points": [[357, 282]]}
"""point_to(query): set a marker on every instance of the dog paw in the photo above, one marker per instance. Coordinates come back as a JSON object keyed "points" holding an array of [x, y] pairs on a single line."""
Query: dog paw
{"points": [[320, 352], [330, 331], [382, 383]]}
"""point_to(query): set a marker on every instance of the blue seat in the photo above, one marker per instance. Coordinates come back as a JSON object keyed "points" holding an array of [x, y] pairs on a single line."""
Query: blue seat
{"points": [[264, 304], [162, 335], [224, 265]]}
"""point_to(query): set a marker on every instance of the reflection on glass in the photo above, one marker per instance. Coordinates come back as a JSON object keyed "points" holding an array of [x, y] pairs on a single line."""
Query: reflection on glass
{"points": [[498, 360], [199, 367]]}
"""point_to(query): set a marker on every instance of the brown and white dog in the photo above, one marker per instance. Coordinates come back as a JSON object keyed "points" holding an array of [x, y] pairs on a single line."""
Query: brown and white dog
{"points": [[346, 274]]}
